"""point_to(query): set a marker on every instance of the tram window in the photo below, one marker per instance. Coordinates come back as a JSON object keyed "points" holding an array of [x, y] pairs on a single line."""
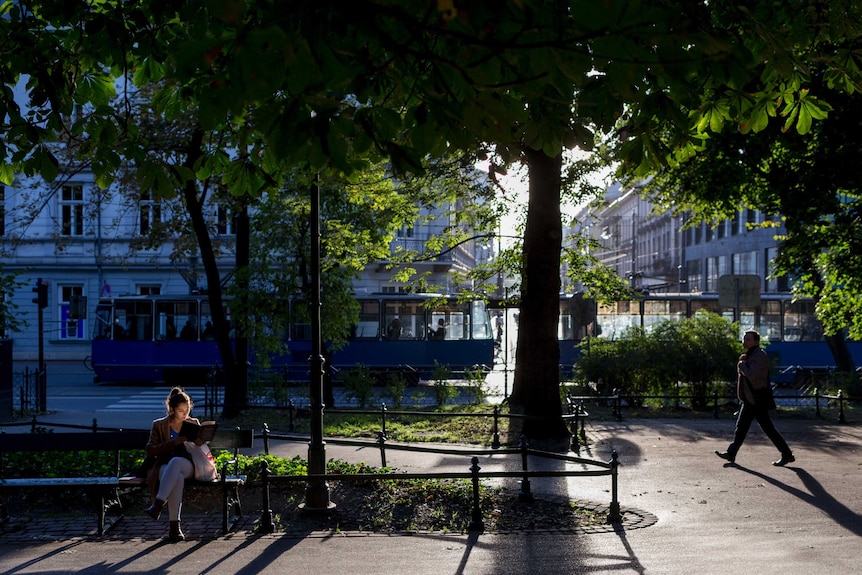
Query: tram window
{"points": [[368, 326], [657, 311], [480, 321], [207, 330], [800, 323], [404, 320], [711, 305], [613, 319], [176, 320], [133, 320], [102, 325], [770, 320]]}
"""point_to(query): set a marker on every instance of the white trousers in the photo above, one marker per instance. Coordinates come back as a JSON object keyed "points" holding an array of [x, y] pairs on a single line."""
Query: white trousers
{"points": [[172, 479]]}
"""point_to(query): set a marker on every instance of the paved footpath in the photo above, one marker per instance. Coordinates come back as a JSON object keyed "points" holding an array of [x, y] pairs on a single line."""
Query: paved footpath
{"points": [[706, 517]]}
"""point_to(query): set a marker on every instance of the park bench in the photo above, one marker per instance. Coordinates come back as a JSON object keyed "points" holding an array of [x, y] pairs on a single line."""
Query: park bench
{"points": [[105, 489]]}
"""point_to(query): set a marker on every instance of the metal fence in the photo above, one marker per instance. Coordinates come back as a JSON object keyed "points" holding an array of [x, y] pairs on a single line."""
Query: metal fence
{"points": [[811, 399], [26, 397], [589, 468]]}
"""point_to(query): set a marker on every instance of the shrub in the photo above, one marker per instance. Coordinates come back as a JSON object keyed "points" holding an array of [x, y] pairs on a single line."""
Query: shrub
{"points": [[696, 352], [359, 384]]}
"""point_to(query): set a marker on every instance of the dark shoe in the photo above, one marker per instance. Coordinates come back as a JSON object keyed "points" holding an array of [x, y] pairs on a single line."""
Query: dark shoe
{"points": [[726, 456], [175, 533], [785, 459], [155, 508]]}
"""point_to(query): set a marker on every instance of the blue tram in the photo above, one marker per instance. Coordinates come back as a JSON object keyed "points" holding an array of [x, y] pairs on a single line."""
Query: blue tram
{"points": [[168, 338], [791, 333]]}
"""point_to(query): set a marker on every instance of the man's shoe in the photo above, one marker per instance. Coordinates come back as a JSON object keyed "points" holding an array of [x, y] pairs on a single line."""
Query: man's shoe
{"points": [[726, 456], [785, 459]]}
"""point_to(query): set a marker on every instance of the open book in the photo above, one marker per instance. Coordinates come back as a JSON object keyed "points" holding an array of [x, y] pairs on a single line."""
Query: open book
{"points": [[204, 431]]}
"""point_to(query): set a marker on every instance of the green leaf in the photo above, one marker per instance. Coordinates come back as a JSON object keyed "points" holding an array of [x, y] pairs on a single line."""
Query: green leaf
{"points": [[7, 173]]}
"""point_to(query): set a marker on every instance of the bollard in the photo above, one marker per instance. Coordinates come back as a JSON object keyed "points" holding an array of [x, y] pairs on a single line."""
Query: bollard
{"points": [[383, 418], [476, 522], [265, 524], [95, 425], [715, 404], [495, 443], [265, 438], [525, 494], [33, 424], [614, 515], [817, 402]]}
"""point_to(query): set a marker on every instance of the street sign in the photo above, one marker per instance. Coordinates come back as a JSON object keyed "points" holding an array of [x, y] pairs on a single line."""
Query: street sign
{"points": [[739, 290]]}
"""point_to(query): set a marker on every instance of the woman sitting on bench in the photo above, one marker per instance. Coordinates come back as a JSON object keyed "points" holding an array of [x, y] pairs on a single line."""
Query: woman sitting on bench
{"points": [[173, 463]]}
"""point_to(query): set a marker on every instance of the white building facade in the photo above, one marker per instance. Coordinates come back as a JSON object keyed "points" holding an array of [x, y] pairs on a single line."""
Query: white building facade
{"points": [[83, 242]]}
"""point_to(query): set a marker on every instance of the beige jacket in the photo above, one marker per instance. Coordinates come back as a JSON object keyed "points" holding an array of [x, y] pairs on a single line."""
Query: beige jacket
{"points": [[160, 444]]}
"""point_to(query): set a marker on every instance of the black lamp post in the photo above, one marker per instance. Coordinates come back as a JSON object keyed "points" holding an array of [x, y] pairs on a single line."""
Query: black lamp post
{"points": [[316, 490]]}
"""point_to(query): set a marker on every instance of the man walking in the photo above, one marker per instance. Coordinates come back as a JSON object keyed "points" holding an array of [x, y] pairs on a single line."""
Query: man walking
{"points": [[753, 376]]}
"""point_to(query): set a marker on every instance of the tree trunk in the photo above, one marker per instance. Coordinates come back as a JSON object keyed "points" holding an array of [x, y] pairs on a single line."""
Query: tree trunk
{"points": [[234, 400], [236, 393], [536, 387]]}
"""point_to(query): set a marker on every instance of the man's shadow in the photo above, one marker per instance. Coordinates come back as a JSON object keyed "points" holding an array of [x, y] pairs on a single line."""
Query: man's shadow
{"points": [[816, 496]]}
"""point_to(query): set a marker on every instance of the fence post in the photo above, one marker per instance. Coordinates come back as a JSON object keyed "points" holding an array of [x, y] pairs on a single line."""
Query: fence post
{"points": [[525, 494], [476, 522], [383, 418], [841, 407], [495, 443], [715, 404], [95, 425], [575, 445], [618, 407], [583, 422], [381, 441], [265, 434], [614, 515], [33, 424], [265, 524], [817, 401]]}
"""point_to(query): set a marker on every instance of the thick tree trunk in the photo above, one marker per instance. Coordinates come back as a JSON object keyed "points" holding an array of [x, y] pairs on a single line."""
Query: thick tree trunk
{"points": [[236, 392], [235, 398], [536, 387]]}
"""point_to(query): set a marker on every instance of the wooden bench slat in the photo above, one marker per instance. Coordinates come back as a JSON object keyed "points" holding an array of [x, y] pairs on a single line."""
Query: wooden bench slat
{"points": [[60, 482]]}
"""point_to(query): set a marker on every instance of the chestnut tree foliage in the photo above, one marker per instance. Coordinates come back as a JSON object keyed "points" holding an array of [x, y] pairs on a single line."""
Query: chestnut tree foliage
{"points": [[336, 86]]}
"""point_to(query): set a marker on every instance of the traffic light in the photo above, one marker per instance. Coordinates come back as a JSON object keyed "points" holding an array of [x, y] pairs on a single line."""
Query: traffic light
{"points": [[41, 291]]}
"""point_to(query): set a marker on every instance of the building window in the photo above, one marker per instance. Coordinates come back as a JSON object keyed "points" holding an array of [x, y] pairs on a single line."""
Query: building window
{"points": [[751, 218], [151, 212], [149, 290], [694, 276], [225, 221], [70, 329], [745, 263], [72, 210]]}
